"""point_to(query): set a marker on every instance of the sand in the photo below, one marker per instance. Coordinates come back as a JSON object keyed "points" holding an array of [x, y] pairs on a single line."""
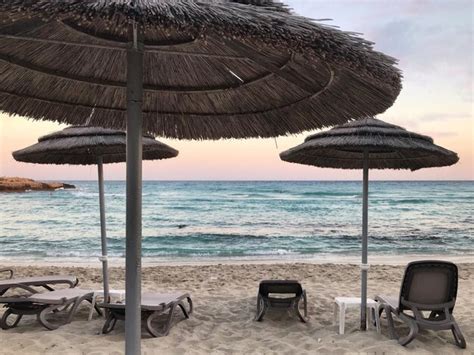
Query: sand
{"points": [[224, 296]]}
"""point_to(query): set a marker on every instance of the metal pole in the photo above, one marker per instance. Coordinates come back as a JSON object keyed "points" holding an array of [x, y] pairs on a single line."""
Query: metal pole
{"points": [[134, 193], [364, 266], [103, 231]]}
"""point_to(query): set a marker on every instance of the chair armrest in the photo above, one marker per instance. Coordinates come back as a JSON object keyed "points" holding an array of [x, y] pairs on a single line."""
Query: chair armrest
{"points": [[10, 271]]}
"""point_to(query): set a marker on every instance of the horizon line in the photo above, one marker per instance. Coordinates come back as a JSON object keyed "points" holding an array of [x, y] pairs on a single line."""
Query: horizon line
{"points": [[268, 180]]}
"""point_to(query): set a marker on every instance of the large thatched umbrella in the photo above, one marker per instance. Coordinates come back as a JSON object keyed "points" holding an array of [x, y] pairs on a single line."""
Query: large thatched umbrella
{"points": [[369, 144], [86, 146], [205, 69]]}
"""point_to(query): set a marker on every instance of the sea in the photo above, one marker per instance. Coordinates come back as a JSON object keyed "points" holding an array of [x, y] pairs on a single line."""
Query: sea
{"points": [[223, 220]]}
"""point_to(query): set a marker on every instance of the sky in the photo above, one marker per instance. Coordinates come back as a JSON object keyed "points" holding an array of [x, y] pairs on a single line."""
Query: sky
{"points": [[433, 41]]}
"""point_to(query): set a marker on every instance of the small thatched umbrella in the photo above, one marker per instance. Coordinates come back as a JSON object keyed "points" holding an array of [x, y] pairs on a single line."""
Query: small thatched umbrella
{"points": [[369, 144], [86, 146], [205, 69]]}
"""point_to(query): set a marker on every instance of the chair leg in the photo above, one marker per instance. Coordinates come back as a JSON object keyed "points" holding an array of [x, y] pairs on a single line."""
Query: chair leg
{"points": [[166, 328], [335, 307], [376, 317], [94, 297], [371, 317], [109, 324], [191, 306], [261, 308], [183, 308], [342, 318], [4, 320], [100, 312], [391, 326], [305, 300], [75, 306], [41, 317], [413, 330], [185, 312], [297, 310], [458, 337]]}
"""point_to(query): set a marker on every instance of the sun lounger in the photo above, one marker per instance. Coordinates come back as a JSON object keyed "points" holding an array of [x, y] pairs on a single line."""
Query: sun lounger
{"points": [[428, 286], [43, 304], [268, 288], [28, 283], [153, 305]]}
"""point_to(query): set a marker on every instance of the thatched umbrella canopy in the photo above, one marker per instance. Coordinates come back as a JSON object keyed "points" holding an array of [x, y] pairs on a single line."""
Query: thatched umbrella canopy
{"points": [[205, 69], [86, 145], [211, 69], [389, 147], [369, 144]]}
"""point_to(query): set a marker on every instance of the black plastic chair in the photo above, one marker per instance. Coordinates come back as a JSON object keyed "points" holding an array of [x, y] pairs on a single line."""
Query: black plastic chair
{"points": [[429, 286], [269, 287]]}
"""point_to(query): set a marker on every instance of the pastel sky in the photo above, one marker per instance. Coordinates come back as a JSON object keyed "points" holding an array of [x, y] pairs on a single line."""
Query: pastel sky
{"points": [[433, 41]]}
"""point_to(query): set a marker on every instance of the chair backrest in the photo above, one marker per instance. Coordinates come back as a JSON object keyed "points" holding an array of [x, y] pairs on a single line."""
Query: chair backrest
{"points": [[280, 286], [429, 282]]}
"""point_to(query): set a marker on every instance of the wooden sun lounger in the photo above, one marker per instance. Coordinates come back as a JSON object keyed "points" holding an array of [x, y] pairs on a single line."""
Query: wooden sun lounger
{"points": [[153, 305], [43, 304], [28, 283]]}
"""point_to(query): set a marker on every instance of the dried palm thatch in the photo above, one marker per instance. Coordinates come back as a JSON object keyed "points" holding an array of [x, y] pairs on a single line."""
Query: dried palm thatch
{"points": [[212, 68], [84, 145], [389, 147]]}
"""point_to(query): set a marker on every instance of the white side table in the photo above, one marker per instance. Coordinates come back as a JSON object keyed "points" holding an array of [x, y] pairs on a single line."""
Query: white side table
{"points": [[119, 294], [344, 303]]}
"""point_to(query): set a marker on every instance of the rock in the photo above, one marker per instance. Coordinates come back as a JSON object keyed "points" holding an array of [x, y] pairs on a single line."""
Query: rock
{"points": [[17, 184]]}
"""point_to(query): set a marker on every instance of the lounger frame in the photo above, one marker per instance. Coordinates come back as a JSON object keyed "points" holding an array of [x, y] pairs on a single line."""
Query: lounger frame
{"points": [[34, 304], [440, 314], [116, 311], [264, 301], [29, 283], [19, 307]]}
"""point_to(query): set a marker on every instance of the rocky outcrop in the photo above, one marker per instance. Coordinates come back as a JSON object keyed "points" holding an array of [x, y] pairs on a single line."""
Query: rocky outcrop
{"points": [[17, 184]]}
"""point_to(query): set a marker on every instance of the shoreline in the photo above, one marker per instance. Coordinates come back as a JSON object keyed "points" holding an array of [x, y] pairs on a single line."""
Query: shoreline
{"points": [[322, 259]]}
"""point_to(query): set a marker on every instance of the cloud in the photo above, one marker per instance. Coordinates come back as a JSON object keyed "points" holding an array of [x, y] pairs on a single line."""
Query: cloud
{"points": [[436, 116], [443, 134]]}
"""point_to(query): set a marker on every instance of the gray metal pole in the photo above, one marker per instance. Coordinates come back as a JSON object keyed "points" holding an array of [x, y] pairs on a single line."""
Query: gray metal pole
{"points": [[364, 266], [134, 194], [103, 231]]}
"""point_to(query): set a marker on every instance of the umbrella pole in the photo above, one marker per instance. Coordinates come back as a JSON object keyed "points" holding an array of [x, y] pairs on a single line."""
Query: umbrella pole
{"points": [[134, 193], [103, 232], [364, 266]]}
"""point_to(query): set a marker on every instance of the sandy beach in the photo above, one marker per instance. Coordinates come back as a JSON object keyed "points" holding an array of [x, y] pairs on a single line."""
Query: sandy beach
{"points": [[224, 295]]}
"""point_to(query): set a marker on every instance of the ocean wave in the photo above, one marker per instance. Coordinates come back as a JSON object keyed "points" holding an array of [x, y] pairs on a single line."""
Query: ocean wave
{"points": [[413, 201], [243, 219], [329, 193]]}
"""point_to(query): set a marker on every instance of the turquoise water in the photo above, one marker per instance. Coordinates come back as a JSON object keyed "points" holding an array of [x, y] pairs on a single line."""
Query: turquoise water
{"points": [[242, 219]]}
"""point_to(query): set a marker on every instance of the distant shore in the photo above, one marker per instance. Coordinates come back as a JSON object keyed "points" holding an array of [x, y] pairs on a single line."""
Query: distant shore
{"points": [[19, 184]]}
